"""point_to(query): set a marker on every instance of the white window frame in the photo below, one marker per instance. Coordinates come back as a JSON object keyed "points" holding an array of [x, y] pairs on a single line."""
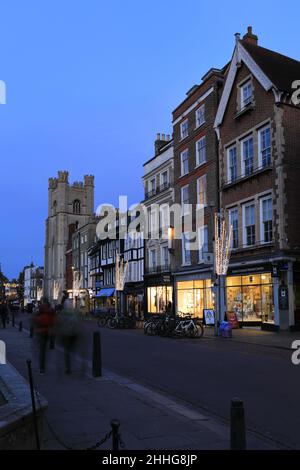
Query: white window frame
{"points": [[231, 210], [150, 188], [164, 248], [186, 151], [243, 166], [203, 138], [185, 206], [229, 179], [184, 240], [250, 98], [249, 204], [200, 111], [161, 177], [182, 131], [261, 222], [164, 221], [202, 242], [259, 132], [151, 251], [199, 180]]}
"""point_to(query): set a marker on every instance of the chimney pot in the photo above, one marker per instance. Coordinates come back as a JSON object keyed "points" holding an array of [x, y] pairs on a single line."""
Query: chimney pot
{"points": [[249, 37], [158, 136], [163, 137]]}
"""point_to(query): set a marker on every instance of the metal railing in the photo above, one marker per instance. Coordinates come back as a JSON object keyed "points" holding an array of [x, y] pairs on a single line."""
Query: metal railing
{"points": [[157, 190]]}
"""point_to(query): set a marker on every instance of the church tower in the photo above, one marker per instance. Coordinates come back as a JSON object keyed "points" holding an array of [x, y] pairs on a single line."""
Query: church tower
{"points": [[67, 204]]}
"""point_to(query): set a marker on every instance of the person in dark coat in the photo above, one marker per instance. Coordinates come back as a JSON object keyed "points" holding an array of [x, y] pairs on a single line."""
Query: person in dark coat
{"points": [[3, 313], [44, 322]]}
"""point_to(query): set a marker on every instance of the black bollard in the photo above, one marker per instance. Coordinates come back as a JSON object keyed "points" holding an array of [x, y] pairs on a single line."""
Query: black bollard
{"points": [[34, 415], [52, 342], [13, 319], [237, 428], [97, 358], [20, 326], [31, 332], [115, 434]]}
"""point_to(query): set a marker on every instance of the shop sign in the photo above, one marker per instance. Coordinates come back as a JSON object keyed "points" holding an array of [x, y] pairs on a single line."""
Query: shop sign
{"points": [[166, 279], [249, 270], [283, 298], [209, 316], [232, 319]]}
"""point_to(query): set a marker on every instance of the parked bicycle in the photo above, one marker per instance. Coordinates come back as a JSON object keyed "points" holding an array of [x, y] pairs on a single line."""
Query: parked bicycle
{"points": [[121, 321]]}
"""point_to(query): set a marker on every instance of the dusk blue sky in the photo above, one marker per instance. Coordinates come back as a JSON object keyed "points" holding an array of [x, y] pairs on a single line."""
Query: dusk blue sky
{"points": [[91, 82]]}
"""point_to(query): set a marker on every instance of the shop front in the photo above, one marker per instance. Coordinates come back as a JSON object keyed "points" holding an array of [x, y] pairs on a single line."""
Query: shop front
{"points": [[134, 300], [193, 296], [158, 295], [250, 297], [105, 298]]}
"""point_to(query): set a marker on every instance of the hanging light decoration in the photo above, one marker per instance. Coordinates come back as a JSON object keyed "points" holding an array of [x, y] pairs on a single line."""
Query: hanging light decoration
{"points": [[121, 271], [223, 236]]}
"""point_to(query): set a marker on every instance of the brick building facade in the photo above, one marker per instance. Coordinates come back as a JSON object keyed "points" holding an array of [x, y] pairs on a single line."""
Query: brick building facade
{"points": [[196, 190], [258, 129]]}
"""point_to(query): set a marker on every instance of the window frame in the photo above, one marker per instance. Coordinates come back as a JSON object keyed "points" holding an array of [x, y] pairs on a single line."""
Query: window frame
{"points": [[182, 124], [230, 211], [243, 166], [245, 206], [229, 176], [202, 236], [202, 178], [261, 221], [184, 152], [185, 210], [260, 159], [198, 163], [185, 262], [250, 98], [202, 106]]}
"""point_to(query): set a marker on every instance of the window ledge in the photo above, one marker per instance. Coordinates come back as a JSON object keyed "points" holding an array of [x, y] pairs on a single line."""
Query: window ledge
{"points": [[242, 178], [244, 110], [200, 164], [200, 125]]}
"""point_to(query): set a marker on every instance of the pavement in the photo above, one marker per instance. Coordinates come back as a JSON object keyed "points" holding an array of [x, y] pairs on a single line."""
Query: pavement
{"points": [[80, 407], [256, 336]]}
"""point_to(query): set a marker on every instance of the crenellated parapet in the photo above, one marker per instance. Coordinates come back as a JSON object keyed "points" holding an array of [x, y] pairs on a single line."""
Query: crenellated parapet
{"points": [[88, 180], [63, 176], [77, 184], [52, 183]]}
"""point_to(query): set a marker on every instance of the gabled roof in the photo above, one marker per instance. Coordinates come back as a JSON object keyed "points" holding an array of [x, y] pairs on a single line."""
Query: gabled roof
{"points": [[272, 70], [280, 69]]}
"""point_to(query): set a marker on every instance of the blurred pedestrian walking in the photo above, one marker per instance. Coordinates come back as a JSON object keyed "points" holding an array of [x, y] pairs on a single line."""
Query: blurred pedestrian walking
{"points": [[44, 322], [3, 313], [68, 328]]}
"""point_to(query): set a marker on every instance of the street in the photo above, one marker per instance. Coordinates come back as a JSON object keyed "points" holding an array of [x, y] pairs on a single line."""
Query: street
{"points": [[208, 373]]}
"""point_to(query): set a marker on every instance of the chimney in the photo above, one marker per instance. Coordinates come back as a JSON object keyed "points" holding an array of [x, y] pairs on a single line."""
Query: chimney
{"points": [[249, 37], [161, 140]]}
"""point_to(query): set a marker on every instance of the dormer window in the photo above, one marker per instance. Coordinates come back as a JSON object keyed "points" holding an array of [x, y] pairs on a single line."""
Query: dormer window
{"points": [[246, 94]]}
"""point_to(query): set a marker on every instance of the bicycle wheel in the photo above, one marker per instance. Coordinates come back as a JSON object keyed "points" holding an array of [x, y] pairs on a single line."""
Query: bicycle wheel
{"points": [[101, 322], [200, 330], [112, 323], [150, 328]]}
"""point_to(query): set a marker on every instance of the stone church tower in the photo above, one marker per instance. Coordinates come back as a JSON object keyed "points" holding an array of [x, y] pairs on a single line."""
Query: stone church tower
{"points": [[67, 204]]}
